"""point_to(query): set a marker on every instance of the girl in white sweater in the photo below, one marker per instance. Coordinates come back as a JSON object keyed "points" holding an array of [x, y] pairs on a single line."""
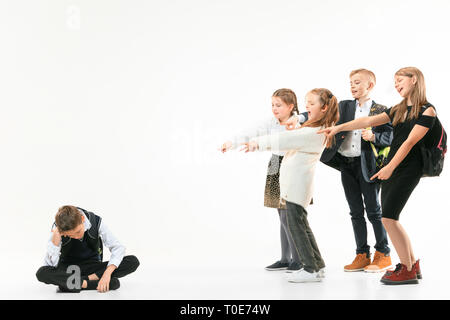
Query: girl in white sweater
{"points": [[303, 149], [284, 107]]}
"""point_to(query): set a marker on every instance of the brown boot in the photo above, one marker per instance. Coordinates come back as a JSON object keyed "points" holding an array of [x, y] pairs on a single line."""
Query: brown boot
{"points": [[380, 263], [360, 262]]}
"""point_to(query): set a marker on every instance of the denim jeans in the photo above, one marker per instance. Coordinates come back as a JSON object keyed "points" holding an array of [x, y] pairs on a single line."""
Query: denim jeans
{"points": [[303, 239]]}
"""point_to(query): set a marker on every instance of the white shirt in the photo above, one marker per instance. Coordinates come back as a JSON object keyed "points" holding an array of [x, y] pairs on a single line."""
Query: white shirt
{"points": [[351, 146], [267, 127], [108, 239], [303, 148]]}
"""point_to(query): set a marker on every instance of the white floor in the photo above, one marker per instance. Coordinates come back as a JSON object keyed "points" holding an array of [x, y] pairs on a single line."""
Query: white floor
{"points": [[233, 283]]}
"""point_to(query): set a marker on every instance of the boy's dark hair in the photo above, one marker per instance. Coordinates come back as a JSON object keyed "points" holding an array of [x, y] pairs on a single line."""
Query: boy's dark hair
{"points": [[67, 218]]}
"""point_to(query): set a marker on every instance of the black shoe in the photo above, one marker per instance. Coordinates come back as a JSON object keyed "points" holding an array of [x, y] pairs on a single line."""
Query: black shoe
{"points": [[294, 266], [62, 289], [114, 284], [277, 266]]}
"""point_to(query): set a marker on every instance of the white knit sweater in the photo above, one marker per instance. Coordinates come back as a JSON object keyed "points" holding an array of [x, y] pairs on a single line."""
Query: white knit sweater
{"points": [[266, 127], [303, 149]]}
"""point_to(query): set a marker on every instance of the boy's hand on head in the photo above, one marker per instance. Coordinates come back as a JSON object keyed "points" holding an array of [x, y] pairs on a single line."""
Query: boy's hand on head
{"points": [[56, 239]]}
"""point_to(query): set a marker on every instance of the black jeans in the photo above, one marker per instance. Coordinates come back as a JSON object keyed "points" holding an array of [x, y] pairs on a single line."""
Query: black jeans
{"points": [[59, 276], [360, 193], [303, 239]]}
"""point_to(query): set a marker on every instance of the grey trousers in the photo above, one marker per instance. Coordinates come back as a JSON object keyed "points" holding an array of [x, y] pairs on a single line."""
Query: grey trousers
{"points": [[302, 237], [288, 254]]}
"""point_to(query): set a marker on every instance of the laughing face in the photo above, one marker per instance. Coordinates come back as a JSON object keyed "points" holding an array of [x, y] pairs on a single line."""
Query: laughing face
{"points": [[404, 85]]}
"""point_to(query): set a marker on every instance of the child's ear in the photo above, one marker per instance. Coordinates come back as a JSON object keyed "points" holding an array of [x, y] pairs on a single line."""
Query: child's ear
{"points": [[324, 108], [414, 79], [371, 85]]}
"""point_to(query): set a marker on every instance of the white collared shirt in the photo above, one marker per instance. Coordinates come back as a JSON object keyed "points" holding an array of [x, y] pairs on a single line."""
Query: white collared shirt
{"points": [[351, 146], [108, 239]]}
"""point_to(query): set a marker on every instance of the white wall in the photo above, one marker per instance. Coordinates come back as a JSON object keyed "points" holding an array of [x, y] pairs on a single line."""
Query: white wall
{"points": [[119, 106]]}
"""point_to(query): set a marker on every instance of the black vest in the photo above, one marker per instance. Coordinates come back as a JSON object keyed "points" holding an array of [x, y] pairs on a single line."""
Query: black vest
{"points": [[74, 251]]}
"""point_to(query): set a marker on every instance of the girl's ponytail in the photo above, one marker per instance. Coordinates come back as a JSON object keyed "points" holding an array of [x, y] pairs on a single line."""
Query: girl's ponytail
{"points": [[331, 115]]}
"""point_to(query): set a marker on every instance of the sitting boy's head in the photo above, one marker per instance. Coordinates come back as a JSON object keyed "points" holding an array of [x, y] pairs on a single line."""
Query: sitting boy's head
{"points": [[69, 222], [362, 82]]}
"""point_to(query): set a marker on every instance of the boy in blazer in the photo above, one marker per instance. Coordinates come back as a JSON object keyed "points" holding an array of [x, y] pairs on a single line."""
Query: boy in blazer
{"points": [[353, 156]]}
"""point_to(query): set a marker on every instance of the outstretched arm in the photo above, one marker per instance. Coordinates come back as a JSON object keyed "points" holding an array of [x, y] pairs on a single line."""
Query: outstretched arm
{"points": [[360, 123], [304, 139]]}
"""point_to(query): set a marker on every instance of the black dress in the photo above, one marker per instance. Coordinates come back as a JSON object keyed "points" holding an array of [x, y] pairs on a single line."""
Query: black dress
{"points": [[396, 190]]}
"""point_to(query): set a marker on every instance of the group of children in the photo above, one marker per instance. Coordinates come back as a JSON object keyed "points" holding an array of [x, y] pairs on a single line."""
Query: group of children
{"points": [[331, 132]]}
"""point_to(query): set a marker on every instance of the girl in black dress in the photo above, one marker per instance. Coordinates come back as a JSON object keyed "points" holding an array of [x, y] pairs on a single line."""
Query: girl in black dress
{"points": [[413, 119]]}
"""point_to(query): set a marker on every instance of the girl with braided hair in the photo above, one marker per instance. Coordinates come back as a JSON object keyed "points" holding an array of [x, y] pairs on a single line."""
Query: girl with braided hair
{"points": [[284, 107], [303, 148]]}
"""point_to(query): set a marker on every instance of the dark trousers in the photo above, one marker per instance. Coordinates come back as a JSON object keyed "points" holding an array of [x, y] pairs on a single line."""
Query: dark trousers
{"points": [[303, 239], [59, 275], [362, 195]]}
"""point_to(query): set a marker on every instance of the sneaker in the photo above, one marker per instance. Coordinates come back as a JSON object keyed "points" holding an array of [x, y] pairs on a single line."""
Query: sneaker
{"points": [[380, 263], [361, 261], [322, 273], [303, 276], [416, 266], [277, 266], [400, 276], [294, 266]]}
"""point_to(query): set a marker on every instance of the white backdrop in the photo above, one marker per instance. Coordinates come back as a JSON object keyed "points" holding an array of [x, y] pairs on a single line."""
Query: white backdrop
{"points": [[119, 107]]}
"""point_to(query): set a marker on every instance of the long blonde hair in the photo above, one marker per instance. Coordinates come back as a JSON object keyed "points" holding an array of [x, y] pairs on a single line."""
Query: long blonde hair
{"points": [[331, 115], [417, 96]]}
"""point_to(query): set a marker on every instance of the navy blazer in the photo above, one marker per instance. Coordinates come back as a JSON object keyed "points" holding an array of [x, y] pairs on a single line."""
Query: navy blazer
{"points": [[383, 138]]}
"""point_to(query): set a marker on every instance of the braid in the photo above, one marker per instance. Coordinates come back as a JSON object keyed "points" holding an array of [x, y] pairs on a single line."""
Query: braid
{"points": [[288, 96]]}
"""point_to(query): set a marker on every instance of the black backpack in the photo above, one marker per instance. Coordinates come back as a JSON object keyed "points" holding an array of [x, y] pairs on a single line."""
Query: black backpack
{"points": [[433, 154]]}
